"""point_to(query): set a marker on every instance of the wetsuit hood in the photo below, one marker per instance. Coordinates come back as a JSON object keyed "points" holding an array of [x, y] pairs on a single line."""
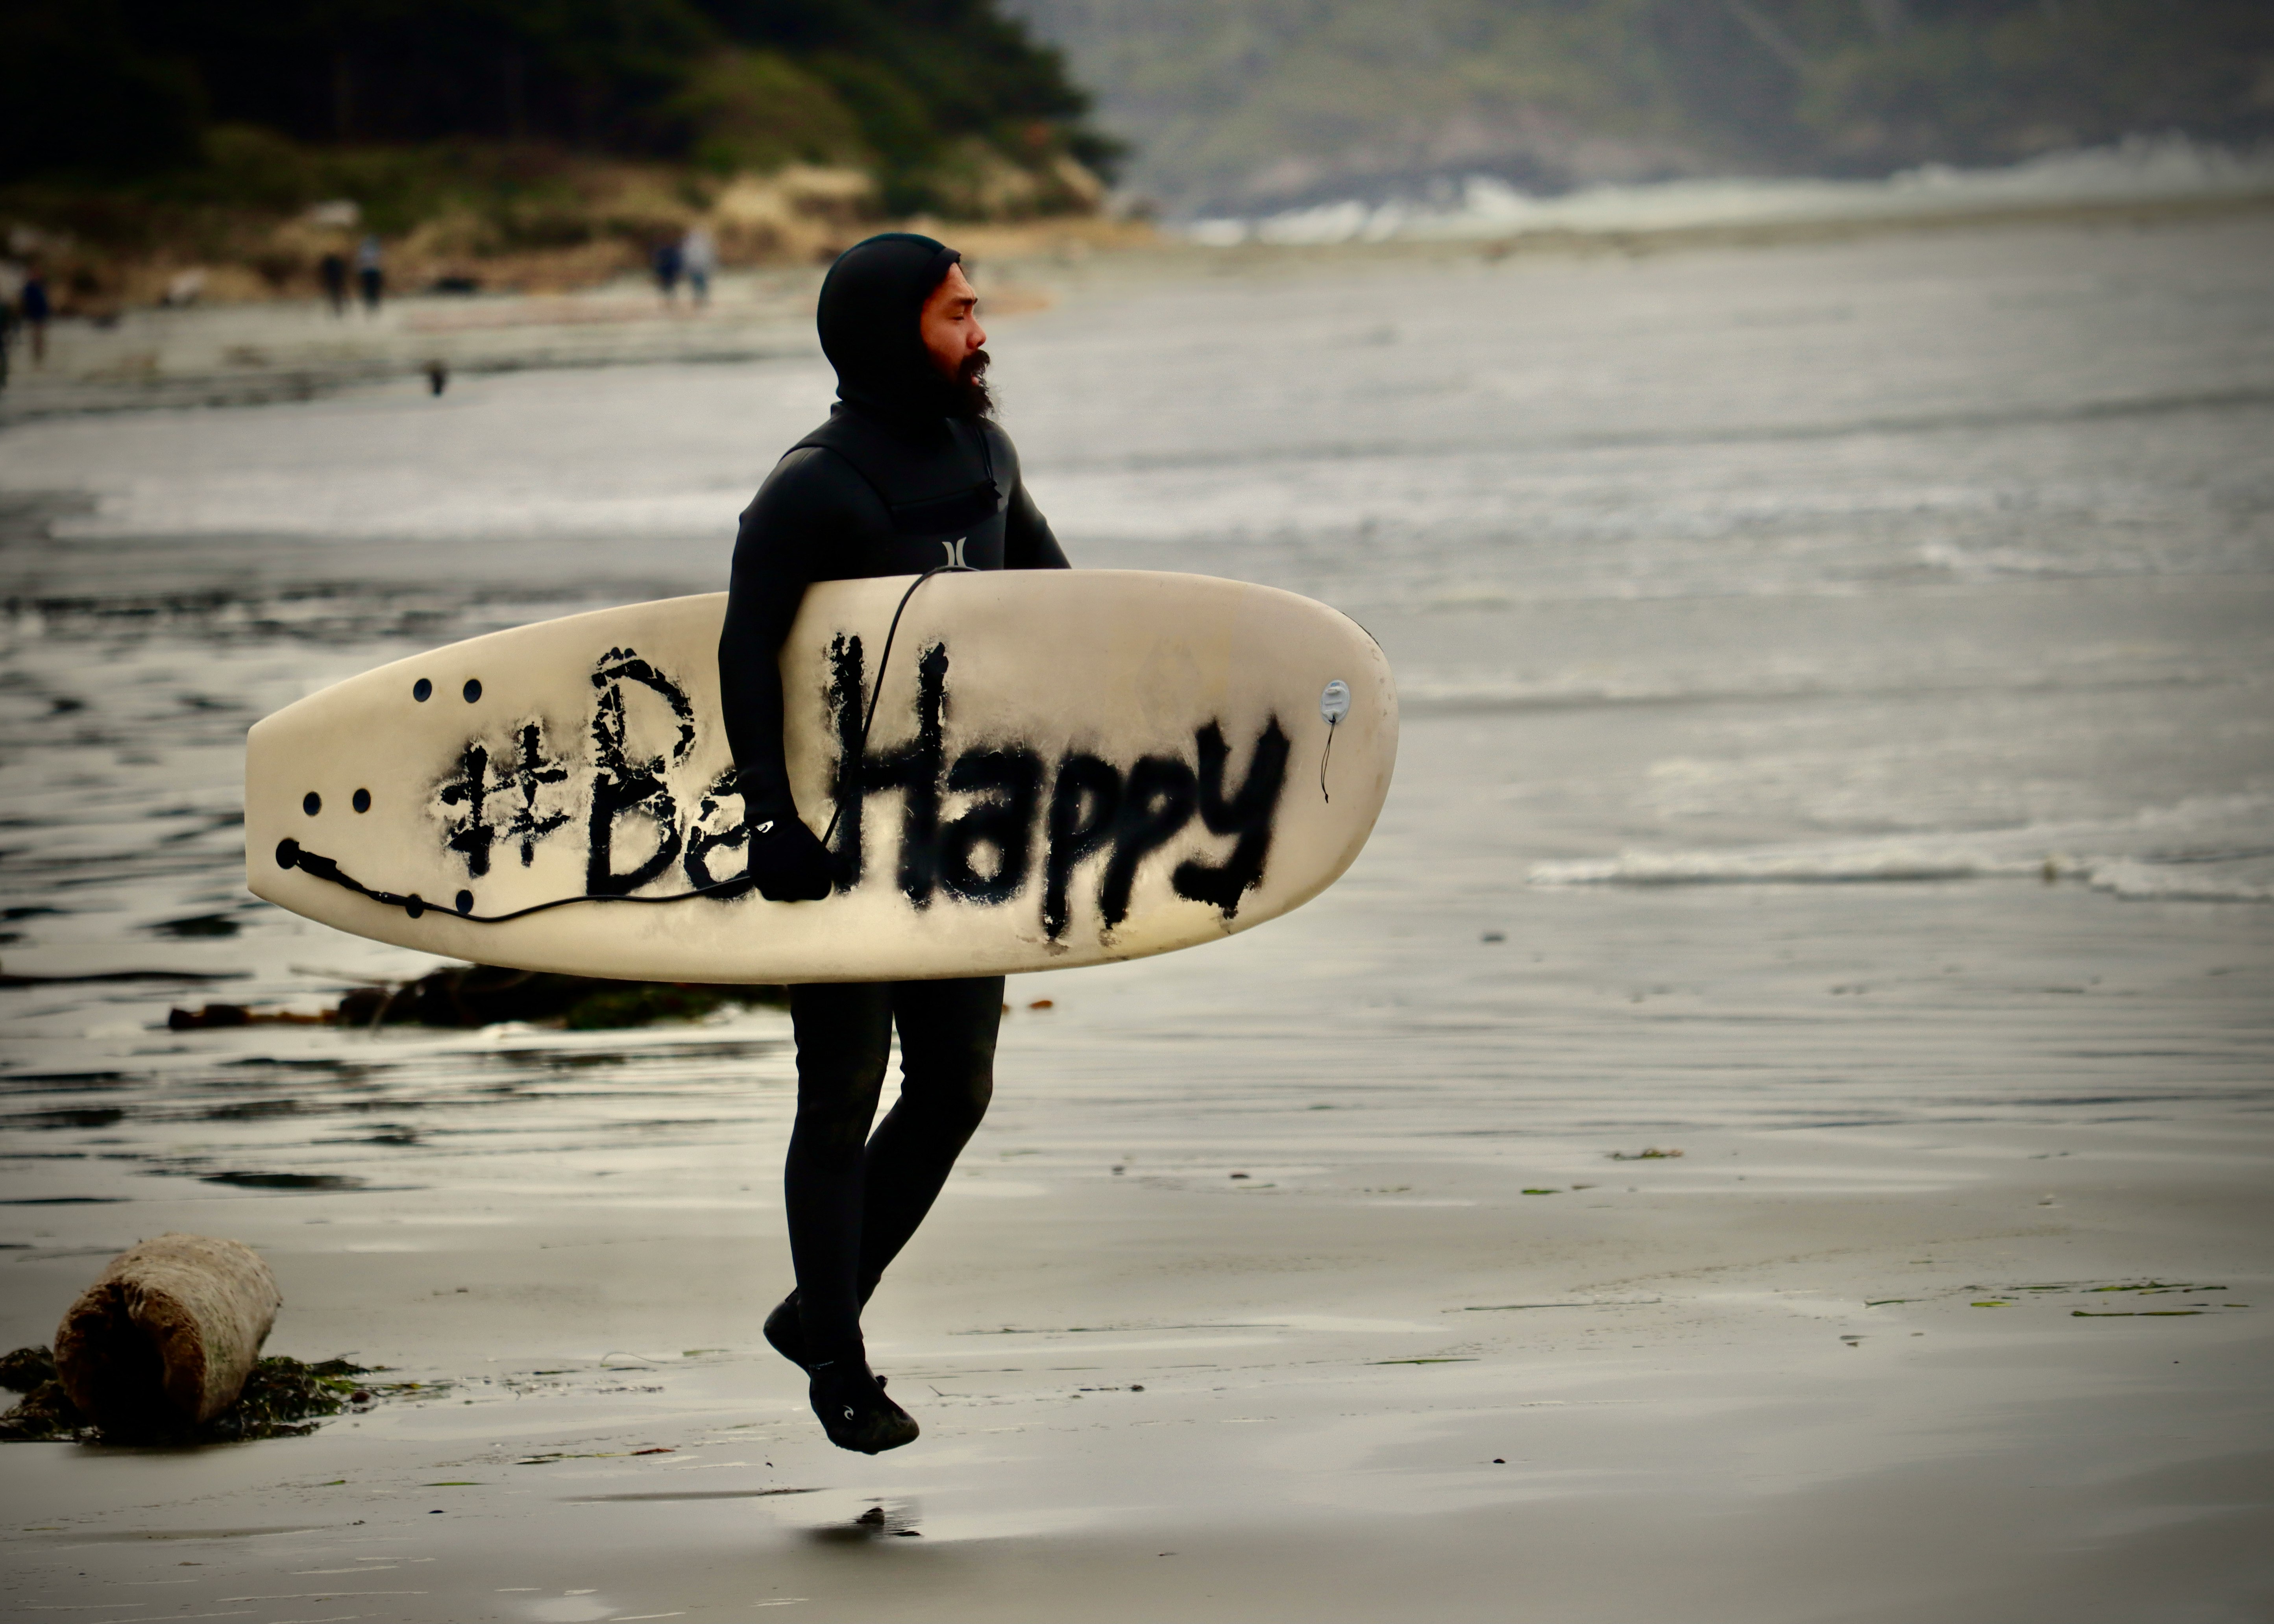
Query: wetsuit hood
{"points": [[870, 320]]}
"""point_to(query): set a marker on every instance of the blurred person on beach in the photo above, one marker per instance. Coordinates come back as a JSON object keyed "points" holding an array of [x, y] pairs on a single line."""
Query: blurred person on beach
{"points": [[12, 287], [32, 307], [333, 270], [371, 273], [698, 258], [665, 262], [909, 473]]}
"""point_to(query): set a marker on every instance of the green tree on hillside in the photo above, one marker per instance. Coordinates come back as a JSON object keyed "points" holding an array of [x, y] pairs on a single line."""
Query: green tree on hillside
{"points": [[110, 89]]}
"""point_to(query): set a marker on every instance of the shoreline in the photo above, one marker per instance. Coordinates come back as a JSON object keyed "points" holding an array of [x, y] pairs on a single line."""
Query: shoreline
{"points": [[285, 349]]}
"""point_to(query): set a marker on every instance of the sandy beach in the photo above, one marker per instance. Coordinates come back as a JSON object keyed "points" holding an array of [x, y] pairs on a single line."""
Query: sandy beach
{"points": [[1835, 749]]}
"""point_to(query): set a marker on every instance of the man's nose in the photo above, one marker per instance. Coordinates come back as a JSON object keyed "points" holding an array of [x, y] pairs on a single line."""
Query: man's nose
{"points": [[978, 339]]}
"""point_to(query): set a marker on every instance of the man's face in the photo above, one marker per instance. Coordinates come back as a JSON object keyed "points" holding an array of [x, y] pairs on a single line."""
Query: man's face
{"points": [[950, 323]]}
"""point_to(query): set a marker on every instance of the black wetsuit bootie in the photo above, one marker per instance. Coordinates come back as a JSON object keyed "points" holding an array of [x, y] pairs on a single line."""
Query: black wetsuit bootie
{"points": [[853, 1411], [784, 1329], [787, 1331]]}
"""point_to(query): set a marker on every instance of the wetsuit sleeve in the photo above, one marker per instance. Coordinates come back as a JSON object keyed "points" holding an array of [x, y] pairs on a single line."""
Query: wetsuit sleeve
{"points": [[775, 552], [1028, 542]]}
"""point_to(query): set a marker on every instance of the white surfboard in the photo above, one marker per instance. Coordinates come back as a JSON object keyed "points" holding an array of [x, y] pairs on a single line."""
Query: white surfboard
{"points": [[1064, 767]]}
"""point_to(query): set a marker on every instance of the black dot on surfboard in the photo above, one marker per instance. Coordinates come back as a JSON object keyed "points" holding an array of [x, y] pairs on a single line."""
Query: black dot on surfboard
{"points": [[422, 690], [312, 803], [414, 905], [473, 689], [363, 801], [465, 902], [288, 853]]}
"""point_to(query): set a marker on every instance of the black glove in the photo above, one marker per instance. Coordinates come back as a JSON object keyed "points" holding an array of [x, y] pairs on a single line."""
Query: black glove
{"points": [[787, 861]]}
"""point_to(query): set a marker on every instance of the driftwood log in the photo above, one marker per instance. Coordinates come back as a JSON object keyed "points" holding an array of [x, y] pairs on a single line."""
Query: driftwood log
{"points": [[167, 1332]]}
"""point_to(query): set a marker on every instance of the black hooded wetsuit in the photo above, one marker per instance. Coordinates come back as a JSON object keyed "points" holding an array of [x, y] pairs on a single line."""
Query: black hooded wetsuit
{"points": [[892, 484]]}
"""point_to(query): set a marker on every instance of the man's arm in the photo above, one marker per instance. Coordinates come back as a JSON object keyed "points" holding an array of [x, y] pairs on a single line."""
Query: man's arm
{"points": [[774, 564], [1028, 542]]}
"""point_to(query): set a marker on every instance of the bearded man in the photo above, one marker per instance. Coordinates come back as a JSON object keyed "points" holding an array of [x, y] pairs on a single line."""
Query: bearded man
{"points": [[909, 472]]}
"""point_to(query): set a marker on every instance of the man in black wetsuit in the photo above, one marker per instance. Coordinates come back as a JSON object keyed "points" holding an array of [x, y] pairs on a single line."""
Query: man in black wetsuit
{"points": [[907, 473]]}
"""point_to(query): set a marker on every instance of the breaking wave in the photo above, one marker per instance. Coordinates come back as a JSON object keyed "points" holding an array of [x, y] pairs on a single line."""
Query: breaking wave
{"points": [[2216, 849], [2138, 169]]}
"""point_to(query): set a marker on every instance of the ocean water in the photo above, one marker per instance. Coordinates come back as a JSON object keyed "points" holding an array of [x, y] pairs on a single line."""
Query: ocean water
{"points": [[1899, 587], [2141, 168]]}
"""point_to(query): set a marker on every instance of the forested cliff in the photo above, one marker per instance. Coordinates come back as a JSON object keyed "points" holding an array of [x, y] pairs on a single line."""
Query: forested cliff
{"points": [[919, 92], [1259, 103]]}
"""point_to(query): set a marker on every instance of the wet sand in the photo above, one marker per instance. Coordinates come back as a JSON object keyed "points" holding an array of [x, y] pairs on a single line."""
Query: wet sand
{"points": [[1955, 1304], [1378, 1379]]}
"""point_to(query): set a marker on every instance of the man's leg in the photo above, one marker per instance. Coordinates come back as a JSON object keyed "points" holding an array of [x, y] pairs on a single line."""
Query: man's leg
{"points": [[844, 1037], [947, 1075]]}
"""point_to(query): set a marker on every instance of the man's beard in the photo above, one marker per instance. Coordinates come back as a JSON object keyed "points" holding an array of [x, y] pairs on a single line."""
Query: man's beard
{"points": [[973, 398]]}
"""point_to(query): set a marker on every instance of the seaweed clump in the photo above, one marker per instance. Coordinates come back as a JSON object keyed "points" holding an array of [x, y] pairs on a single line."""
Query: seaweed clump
{"points": [[282, 1398], [46, 1413]]}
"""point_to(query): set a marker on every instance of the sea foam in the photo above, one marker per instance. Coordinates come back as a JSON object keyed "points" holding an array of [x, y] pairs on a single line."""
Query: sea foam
{"points": [[2141, 168], [2206, 849]]}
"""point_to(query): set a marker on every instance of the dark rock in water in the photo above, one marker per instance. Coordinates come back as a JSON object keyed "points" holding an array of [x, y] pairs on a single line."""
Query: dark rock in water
{"points": [[71, 1116], [250, 1110], [198, 925], [284, 1181], [874, 1517], [482, 995]]}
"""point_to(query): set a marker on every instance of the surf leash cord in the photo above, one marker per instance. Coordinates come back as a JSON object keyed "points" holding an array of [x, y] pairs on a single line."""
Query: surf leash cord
{"points": [[884, 664], [1334, 704], [292, 854]]}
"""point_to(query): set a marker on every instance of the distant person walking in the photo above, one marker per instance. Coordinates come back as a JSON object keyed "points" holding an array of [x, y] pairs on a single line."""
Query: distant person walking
{"points": [[371, 273], [31, 305], [665, 262], [332, 268], [698, 257]]}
